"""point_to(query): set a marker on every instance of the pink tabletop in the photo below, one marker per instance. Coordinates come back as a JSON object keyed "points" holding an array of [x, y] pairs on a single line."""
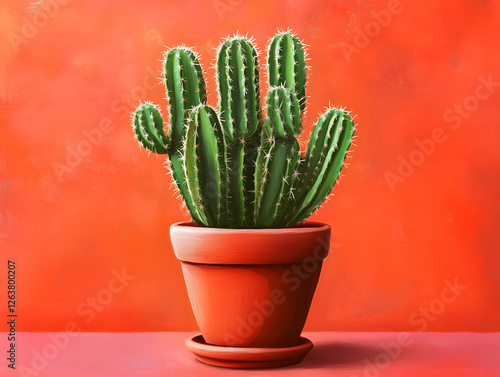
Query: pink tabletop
{"points": [[334, 354]]}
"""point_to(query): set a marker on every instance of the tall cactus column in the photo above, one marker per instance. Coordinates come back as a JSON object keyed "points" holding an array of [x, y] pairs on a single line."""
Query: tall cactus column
{"points": [[185, 89], [239, 108], [324, 159], [205, 166]]}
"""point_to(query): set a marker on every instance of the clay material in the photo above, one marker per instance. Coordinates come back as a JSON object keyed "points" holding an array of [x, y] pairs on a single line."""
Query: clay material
{"points": [[251, 287], [248, 358]]}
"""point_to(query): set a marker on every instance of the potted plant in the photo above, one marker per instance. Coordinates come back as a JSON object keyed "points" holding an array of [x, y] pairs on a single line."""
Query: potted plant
{"points": [[250, 262]]}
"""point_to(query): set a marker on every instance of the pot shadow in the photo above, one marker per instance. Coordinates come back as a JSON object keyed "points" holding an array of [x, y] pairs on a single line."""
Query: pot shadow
{"points": [[338, 354]]}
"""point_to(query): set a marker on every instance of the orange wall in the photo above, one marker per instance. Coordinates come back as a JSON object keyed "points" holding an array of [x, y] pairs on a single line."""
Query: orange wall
{"points": [[397, 239]]}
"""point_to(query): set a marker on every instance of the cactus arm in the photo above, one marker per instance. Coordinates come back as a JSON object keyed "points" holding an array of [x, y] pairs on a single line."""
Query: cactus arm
{"points": [[338, 163], [194, 176], [148, 128], [312, 159], [149, 131], [322, 165], [185, 88], [287, 65], [206, 167], [177, 166], [339, 155]]}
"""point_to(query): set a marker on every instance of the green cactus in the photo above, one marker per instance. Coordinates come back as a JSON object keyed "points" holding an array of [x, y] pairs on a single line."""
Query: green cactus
{"points": [[232, 167]]}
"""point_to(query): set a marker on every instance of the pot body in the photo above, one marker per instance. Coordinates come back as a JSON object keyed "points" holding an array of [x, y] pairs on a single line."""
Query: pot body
{"points": [[251, 287]]}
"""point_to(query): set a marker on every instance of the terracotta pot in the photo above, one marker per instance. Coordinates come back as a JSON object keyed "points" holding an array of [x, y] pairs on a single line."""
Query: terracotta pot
{"points": [[251, 287]]}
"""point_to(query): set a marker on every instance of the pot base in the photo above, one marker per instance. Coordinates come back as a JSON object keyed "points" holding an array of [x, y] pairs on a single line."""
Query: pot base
{"points": [[248, 358]]}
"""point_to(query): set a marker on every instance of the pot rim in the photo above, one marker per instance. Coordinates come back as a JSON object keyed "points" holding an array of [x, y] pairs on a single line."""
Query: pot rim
{"points": [[303, 227], [222, 246]]}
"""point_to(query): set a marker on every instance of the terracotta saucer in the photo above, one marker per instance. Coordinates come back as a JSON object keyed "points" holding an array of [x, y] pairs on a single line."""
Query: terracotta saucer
{"points": [[248, 358]]}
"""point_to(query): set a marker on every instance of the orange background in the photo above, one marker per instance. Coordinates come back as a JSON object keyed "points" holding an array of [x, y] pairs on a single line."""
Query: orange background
{"points": [[394, 246]]}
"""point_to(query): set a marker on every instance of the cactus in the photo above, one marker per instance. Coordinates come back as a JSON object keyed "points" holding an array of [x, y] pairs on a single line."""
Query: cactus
{"points": [[234, 168]]}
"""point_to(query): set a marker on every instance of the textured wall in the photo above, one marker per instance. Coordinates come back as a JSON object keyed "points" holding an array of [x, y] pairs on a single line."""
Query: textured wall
{"points": [[416, 212]]}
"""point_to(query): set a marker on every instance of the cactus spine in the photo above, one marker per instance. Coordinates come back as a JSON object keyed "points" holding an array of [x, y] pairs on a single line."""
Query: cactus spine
{"points": [[233, 168]]}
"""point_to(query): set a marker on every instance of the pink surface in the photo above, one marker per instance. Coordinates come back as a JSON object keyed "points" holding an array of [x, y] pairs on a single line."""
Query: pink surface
{"points": [[418, 207], [334, 354]]}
